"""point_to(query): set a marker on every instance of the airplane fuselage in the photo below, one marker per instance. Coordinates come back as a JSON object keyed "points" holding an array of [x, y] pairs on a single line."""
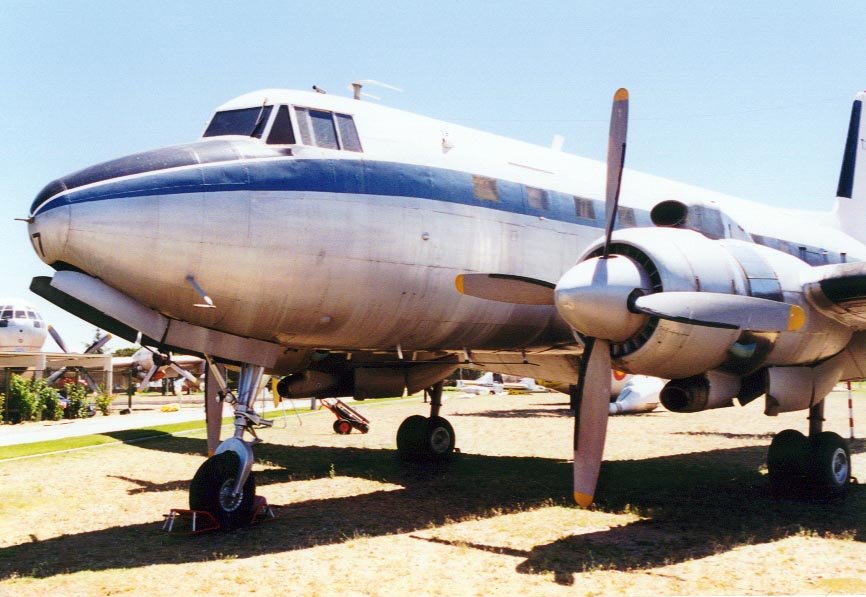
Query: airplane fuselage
{"points": [[316, 247]]}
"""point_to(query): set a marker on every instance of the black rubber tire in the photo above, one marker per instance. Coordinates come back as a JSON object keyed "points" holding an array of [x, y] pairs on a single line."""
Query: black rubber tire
{"points": [[439, 439], [787, 462], [342, 427], [411, 437], [830, 464], [216, 476]]}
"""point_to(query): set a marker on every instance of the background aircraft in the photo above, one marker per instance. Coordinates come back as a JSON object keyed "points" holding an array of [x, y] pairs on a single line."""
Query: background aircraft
{"points": [[22, 328], [147, 365]]}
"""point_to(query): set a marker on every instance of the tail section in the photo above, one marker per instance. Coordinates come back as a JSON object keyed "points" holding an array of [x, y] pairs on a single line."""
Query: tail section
{"points": [[851, 192]]}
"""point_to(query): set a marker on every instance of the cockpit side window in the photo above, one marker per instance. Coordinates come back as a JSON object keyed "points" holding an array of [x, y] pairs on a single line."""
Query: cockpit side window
{"points": [[249, 122], [281, 130], [348, 133], [7, 314], [324, 129], [328, 129]]}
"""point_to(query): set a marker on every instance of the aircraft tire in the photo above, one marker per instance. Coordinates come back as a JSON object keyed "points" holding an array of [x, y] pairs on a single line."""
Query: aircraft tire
{"points": [[831, 465], [786, 462], [210, 490], [342, 426], [411, 437], [439, 439]]}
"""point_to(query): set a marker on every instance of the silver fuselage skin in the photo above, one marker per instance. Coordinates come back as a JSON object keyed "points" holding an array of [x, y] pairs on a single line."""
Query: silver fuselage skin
{"points": [[317, 249]]}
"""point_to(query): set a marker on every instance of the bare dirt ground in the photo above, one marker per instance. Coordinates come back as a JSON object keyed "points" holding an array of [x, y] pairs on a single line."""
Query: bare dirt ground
{"points": [[683, 507]]}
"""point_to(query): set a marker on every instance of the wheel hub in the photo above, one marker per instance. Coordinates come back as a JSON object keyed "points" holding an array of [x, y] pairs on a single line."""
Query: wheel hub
{"points": [[440, 439], [228, 501], [840, 466]]}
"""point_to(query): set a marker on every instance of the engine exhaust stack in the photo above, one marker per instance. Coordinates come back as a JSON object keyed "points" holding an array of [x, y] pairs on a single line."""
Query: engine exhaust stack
{"points": [[701, 392]]}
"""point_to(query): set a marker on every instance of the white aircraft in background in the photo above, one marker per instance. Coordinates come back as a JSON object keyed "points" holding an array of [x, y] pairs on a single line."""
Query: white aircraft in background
{"points": [[22, 328], [486, 384], [639, 394], [322, 238]]}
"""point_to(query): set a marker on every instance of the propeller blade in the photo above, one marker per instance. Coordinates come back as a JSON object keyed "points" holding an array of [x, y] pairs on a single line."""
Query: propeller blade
{"points": [[506, 288], [615, 160], [88, 379], [143, 384], [590, 418], [56, 335], [55, 376], [184, 373], [98, 344], [730, 311]]}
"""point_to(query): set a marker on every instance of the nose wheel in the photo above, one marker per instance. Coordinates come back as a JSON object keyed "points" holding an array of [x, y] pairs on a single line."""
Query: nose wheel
{"points": [[212, 490]]}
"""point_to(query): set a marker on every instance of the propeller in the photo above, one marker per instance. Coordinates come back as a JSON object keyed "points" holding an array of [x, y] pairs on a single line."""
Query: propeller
{"points": [[162, 360], [593, 390], [730, 311], [102, 341]]}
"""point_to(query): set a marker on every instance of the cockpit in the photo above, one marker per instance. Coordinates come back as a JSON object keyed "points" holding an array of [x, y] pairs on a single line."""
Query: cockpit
{"points": [[316, 127], [10, 312]]}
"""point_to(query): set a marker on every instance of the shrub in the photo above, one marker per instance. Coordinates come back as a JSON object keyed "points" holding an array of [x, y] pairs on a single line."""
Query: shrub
{"points": [[103, 402], [77, 405], [48, 400], [23, 401], [2, 410]]}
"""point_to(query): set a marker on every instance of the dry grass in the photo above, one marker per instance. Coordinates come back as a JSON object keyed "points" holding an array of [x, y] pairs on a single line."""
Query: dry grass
{"points": [[683, 508]]}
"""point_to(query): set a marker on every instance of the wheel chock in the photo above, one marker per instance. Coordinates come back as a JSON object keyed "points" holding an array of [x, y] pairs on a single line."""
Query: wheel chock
{"points": [[262, 510], [202, 521], [198, 521]]}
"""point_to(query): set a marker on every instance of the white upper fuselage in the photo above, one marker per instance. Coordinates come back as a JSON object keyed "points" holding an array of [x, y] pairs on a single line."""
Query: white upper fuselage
{"points": [[315, 247], [22, 328]]}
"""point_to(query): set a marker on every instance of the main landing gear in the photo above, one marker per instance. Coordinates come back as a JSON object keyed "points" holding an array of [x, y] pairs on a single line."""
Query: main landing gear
{"points": [[427, 438], [815, 466], [224, 485]]}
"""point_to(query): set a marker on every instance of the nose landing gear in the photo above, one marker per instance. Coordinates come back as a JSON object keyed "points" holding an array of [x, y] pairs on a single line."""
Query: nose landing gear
{"points": [[224, 485]]}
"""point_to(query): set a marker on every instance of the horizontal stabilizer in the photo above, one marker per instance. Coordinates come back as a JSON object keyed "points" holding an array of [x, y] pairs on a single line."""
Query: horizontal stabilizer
{"points": [[506, 288]]}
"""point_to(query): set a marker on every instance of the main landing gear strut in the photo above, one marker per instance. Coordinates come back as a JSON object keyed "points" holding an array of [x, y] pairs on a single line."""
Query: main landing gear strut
{"points": [[814, 466], [224, 485], [427, 438]]}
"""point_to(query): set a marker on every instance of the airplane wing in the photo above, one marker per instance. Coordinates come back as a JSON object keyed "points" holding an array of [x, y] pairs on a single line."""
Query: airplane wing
{"points": [[839, 292]]}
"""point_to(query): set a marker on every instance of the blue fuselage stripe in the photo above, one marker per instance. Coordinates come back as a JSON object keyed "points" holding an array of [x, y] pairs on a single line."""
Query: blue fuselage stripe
{"points": [[358, 177]]}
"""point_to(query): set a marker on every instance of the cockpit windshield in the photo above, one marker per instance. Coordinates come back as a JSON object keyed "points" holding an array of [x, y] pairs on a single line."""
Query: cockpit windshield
{"points": [[249, 122]]}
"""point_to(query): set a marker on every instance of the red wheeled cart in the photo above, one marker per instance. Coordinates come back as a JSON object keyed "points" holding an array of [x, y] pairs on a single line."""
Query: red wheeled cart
{"points": [[347, 417]]}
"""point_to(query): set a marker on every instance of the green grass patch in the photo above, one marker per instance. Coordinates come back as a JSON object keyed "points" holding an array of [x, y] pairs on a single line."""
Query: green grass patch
{"points": [[139, 434]]}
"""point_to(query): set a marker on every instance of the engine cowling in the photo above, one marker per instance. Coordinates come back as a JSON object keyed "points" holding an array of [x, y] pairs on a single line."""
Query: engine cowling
{"points": [[681, 260]]}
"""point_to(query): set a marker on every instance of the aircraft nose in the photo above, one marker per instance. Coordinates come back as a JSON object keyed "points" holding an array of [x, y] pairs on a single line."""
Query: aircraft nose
{"points": [[49, 233]]}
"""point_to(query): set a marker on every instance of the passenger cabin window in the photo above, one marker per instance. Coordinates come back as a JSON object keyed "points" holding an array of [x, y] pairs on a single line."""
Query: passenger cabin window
{"points": [[537, 198], [248, 122], [281, 130], [485, 188], [583, 208], [331, 130]]}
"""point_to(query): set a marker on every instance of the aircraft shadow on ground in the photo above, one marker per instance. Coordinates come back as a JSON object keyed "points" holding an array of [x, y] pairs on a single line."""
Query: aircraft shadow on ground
{"points": [[692, 506]]}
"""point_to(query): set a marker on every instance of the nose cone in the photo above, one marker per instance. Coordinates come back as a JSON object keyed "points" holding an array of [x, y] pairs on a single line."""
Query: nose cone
{"points": [[593, 297], [49, 233]]}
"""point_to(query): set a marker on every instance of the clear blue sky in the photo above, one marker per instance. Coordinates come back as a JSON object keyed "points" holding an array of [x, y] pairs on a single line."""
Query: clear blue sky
{"points": [[749, 98]]}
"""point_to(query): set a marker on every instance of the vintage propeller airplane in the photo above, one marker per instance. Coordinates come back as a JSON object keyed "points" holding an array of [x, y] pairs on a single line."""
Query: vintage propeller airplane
{"points": [[321, 238]]}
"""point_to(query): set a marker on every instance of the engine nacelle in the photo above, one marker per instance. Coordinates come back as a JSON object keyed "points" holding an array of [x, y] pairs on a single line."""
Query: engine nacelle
{"points": [[683, 260], [701, 392], [334, 378]]}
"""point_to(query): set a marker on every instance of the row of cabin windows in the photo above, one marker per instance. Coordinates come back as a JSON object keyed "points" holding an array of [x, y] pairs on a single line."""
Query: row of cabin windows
{"points": [[318, 128], [485, 189]]}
